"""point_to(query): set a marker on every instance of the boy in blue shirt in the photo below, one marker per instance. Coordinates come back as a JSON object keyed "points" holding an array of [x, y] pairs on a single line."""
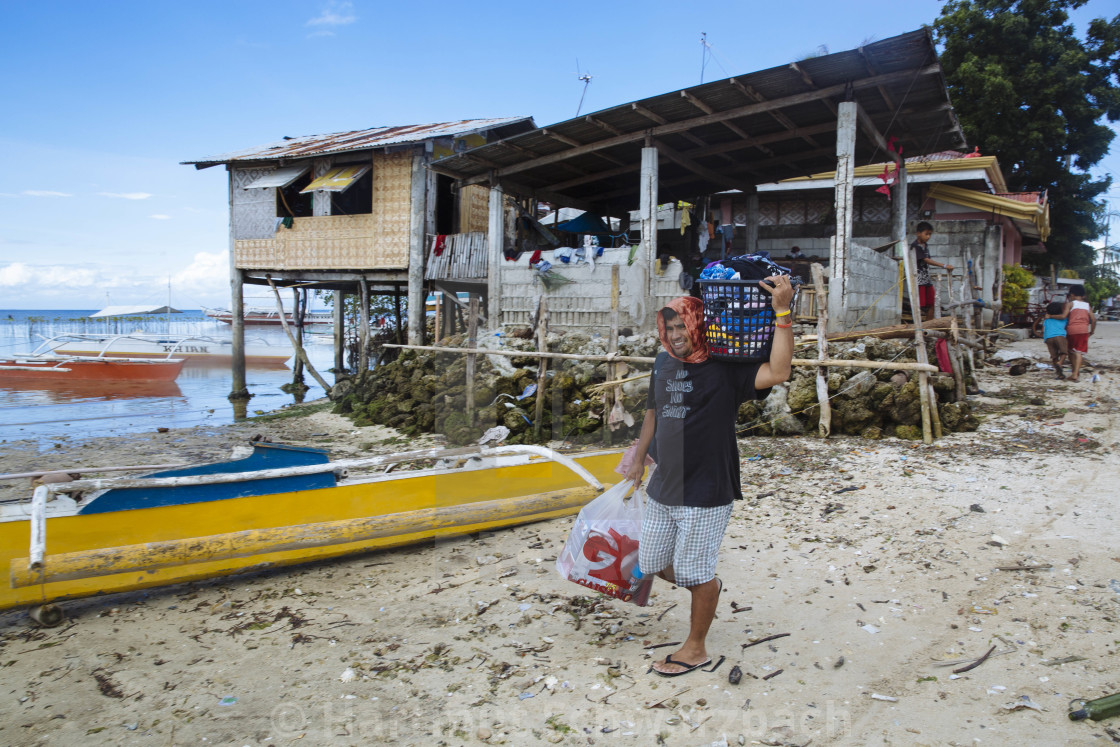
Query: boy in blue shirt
{"points": [[1054, 335]]}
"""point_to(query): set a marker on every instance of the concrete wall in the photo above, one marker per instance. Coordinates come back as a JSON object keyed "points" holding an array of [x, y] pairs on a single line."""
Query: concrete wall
{"points": [[872, 296], [585, 304]]}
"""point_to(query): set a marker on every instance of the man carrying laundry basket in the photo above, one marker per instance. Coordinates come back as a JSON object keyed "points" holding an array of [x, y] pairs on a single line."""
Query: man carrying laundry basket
{"points": [[689, 431]]}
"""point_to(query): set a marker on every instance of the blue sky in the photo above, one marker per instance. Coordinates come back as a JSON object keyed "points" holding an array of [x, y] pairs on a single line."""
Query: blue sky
{"points": [[102, 100]]}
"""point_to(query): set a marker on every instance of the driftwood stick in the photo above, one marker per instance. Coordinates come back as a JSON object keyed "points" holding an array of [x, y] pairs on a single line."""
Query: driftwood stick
{"points": [[300, 352], [764, 640], [976, 663], [887, 365], [472, 340]]}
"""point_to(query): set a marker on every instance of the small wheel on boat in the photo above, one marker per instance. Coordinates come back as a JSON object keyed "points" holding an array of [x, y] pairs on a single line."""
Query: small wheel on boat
{"points": [[47, 615]]}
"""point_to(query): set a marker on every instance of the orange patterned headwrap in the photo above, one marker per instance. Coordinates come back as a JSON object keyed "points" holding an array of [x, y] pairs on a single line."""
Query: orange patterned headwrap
{"points": [[691, 310]]}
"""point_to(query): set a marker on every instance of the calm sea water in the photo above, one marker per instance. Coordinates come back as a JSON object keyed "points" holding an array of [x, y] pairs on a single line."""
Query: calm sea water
{"points": [[32, 410]]}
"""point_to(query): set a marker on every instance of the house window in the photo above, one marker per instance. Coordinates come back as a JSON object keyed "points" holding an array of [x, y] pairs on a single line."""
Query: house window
{"points": [[291, 202], [349, 188]]}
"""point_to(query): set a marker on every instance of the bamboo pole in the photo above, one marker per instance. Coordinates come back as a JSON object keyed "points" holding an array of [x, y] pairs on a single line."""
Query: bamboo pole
{"points": [[955, 361], [612, 348], [968, 293], [823, 402], [885, 365], [542, 368], [439, 315], [472, 335], [920, 342], [300, 352], [935, 416], [81, 470], [153, 556]]}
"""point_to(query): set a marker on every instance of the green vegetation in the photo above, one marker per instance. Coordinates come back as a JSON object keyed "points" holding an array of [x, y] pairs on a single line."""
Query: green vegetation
{"points": [[1031, 92], [1016, 281]]}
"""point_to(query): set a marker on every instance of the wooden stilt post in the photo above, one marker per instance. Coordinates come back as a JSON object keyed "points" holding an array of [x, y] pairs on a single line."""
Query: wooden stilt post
{"points": [[417, 245], [472, 340], [542, 370], [339, 332], [363, 328], [297, 317], [496, 245], [920, 342], [400, 322], [239, 390], [822, 350]]}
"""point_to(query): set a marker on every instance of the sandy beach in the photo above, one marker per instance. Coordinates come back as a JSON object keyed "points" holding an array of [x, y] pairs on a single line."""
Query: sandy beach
{"points": [[879, 567]]}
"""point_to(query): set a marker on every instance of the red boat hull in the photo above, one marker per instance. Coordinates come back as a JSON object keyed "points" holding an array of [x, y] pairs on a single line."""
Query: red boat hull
{"points": [[90, 369]]}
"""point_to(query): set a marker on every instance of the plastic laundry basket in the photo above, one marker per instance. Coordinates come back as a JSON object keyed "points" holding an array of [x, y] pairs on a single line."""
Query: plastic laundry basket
{"points": [[740, 319]]}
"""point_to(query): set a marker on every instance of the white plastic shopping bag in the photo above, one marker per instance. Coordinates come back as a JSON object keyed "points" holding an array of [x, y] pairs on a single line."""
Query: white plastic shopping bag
{"points": [[602, 551]]}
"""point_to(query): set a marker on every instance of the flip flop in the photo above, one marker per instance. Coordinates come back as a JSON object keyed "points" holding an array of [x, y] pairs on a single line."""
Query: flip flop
{"points": [[687, 667]]}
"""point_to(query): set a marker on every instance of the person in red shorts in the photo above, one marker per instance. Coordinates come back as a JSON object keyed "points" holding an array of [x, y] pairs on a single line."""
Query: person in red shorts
{"points": [[1081, 322], [926, 295]]}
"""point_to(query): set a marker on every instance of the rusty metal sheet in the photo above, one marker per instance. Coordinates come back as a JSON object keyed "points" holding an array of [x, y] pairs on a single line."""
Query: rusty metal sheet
{"points": [[280, 177]]}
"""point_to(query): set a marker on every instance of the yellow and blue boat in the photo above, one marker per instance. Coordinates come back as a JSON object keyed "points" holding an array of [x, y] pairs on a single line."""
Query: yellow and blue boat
{"points": [[280, 505]]}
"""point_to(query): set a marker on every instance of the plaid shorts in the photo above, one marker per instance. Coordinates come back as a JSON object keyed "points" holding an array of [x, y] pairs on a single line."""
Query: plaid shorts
{"points": [[684, 537]]}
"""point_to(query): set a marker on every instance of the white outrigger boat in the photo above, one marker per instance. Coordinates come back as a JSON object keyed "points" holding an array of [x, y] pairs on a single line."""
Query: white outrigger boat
{"points": [[139, 345]]}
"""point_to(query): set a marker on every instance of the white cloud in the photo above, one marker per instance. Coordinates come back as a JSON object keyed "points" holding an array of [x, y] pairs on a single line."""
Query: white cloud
{"points": [[45, 193], [204, 282], [335, 13], [126, 195], [159, 216], [17, 273], [206, 272]]}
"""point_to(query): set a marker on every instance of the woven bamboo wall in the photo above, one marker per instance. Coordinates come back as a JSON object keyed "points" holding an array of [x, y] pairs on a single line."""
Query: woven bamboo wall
{"points": [[372, 241], [474, 209]]}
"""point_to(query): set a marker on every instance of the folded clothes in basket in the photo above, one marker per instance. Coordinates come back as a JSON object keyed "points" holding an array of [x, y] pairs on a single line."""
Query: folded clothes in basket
{"points": [[744, 267]]}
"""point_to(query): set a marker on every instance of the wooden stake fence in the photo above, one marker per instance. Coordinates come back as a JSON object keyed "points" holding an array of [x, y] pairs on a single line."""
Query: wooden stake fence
{"points": [[823, 402]]}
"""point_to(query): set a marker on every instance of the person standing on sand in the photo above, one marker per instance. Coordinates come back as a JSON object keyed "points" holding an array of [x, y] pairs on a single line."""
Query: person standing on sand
{"points": [[689, 430], [927, 296], [1081, 323], [1054, 335]]}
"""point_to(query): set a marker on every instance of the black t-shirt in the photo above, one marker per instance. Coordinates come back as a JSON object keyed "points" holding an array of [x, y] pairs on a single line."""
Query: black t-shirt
{"points": [[921, 254], [694, 444]]}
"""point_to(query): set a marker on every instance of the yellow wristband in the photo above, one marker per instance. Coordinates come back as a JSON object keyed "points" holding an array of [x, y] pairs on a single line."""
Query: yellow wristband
{"points": [[784, 313]]}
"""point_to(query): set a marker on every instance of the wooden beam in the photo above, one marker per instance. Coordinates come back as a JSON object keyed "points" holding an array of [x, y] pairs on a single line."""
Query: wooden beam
{"points": [[543, 193], [603, 125], [871, 131], [684, 125], [778, 116], [696, 167], [654, 117], [704, 107]]}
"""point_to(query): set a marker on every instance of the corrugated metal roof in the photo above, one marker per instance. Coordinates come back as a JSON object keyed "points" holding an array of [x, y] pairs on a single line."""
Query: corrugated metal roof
{"points": [[355, 140], [281, 177], [735, 133]]}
